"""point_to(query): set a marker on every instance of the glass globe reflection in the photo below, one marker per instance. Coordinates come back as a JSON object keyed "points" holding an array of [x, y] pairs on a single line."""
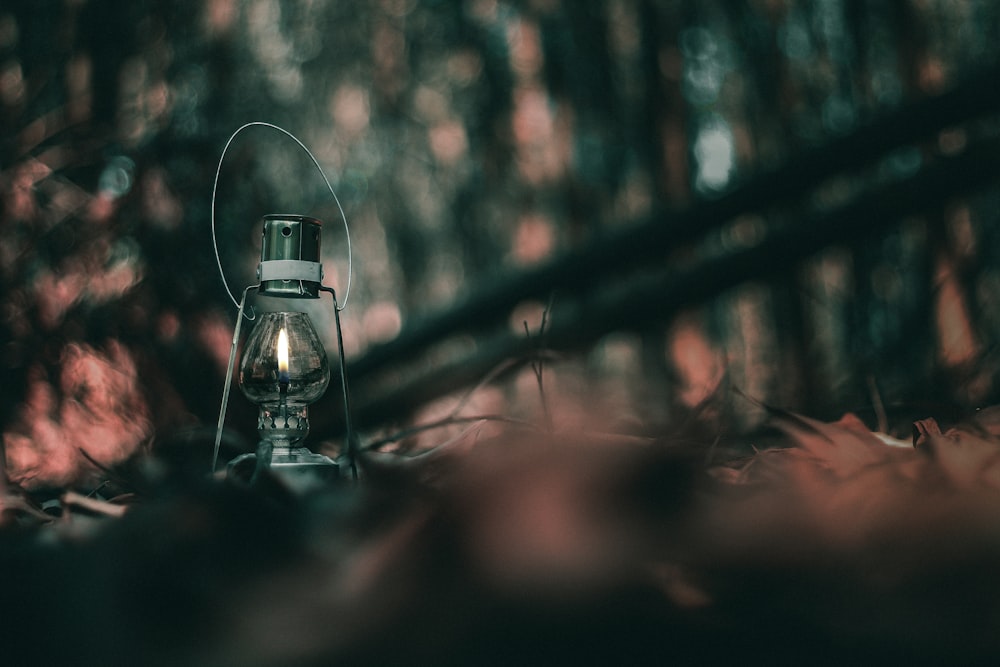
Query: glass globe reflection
{"points": [[284, 369]]}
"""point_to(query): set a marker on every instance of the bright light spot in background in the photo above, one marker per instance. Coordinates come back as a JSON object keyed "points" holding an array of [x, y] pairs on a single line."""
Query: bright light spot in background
{"points": [[525, 43], [542, 140], [932, 75], [464, 67], [382, 321], [219, 16], [714, 154], [116, 178], [168, 326], [274, 51], [707, 60], [698, 364], [533, 119], [448, 142], [534, 239], [350, 109], [431, 105], [447, 276], [159, 205]]}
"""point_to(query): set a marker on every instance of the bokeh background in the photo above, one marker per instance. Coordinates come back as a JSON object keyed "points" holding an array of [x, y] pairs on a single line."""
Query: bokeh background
{"points": [[491, 156]]}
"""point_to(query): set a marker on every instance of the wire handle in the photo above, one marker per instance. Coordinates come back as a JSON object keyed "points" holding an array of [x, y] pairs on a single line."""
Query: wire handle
{"points": [[215, 186]]}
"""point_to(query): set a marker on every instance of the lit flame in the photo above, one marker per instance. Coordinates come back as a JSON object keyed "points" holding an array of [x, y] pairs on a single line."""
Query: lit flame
{"points": [[282, 356]]}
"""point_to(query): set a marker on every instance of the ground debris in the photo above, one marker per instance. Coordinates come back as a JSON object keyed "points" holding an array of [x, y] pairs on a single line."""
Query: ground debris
{"points": [[534, 548]]}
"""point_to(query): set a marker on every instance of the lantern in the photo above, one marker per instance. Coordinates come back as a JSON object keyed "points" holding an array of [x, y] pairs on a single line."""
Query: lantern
{"points": [[284, 367]]}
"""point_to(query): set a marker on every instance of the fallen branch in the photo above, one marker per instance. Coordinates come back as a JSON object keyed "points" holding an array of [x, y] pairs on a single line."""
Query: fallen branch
{"points": [[658, 296], [441, 423], [95, 505], [647, 243]]}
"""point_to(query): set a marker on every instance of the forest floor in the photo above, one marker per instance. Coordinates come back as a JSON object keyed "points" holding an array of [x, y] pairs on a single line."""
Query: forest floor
{"points": [[832, 544]]}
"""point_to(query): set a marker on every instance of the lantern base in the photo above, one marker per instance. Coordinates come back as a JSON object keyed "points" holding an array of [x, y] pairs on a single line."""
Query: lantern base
{"points": [[299, 468]]}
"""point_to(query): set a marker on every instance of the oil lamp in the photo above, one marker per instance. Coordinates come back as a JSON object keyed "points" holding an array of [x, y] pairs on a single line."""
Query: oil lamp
{"points": [[284, 367]]}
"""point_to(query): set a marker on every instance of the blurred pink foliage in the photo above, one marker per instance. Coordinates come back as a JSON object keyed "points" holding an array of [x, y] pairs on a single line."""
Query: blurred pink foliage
{"points": [[96, 407]]}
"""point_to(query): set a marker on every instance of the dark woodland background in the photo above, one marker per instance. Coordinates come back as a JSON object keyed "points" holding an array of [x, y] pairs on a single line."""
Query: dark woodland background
{"points": [[794, 200], [635, 221]]}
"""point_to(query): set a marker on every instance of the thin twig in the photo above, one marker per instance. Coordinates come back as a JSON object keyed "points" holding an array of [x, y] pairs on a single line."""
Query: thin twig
{"points": [[537, 362], [393, 461], [447, 444], [446, 421], [72, 498]]}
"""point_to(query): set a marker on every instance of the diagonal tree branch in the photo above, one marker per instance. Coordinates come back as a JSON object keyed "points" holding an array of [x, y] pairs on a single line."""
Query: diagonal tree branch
{"points": [[649, 242], [658, 295]]}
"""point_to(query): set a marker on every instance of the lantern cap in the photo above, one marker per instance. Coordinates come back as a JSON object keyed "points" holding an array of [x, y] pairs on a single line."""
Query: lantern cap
{"points": [[290, 265]]}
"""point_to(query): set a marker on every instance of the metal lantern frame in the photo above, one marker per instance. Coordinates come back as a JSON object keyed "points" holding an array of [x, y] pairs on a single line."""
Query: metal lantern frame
{"points": [[289, 272]]}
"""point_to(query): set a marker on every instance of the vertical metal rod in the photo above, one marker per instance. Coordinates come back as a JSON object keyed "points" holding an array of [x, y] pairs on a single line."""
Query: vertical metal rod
{"points": [[348, 425], [229, 376]]}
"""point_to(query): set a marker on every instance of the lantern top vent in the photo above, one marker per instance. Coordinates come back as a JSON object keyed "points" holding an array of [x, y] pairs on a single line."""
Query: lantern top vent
{"points": [[290, 264]]}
